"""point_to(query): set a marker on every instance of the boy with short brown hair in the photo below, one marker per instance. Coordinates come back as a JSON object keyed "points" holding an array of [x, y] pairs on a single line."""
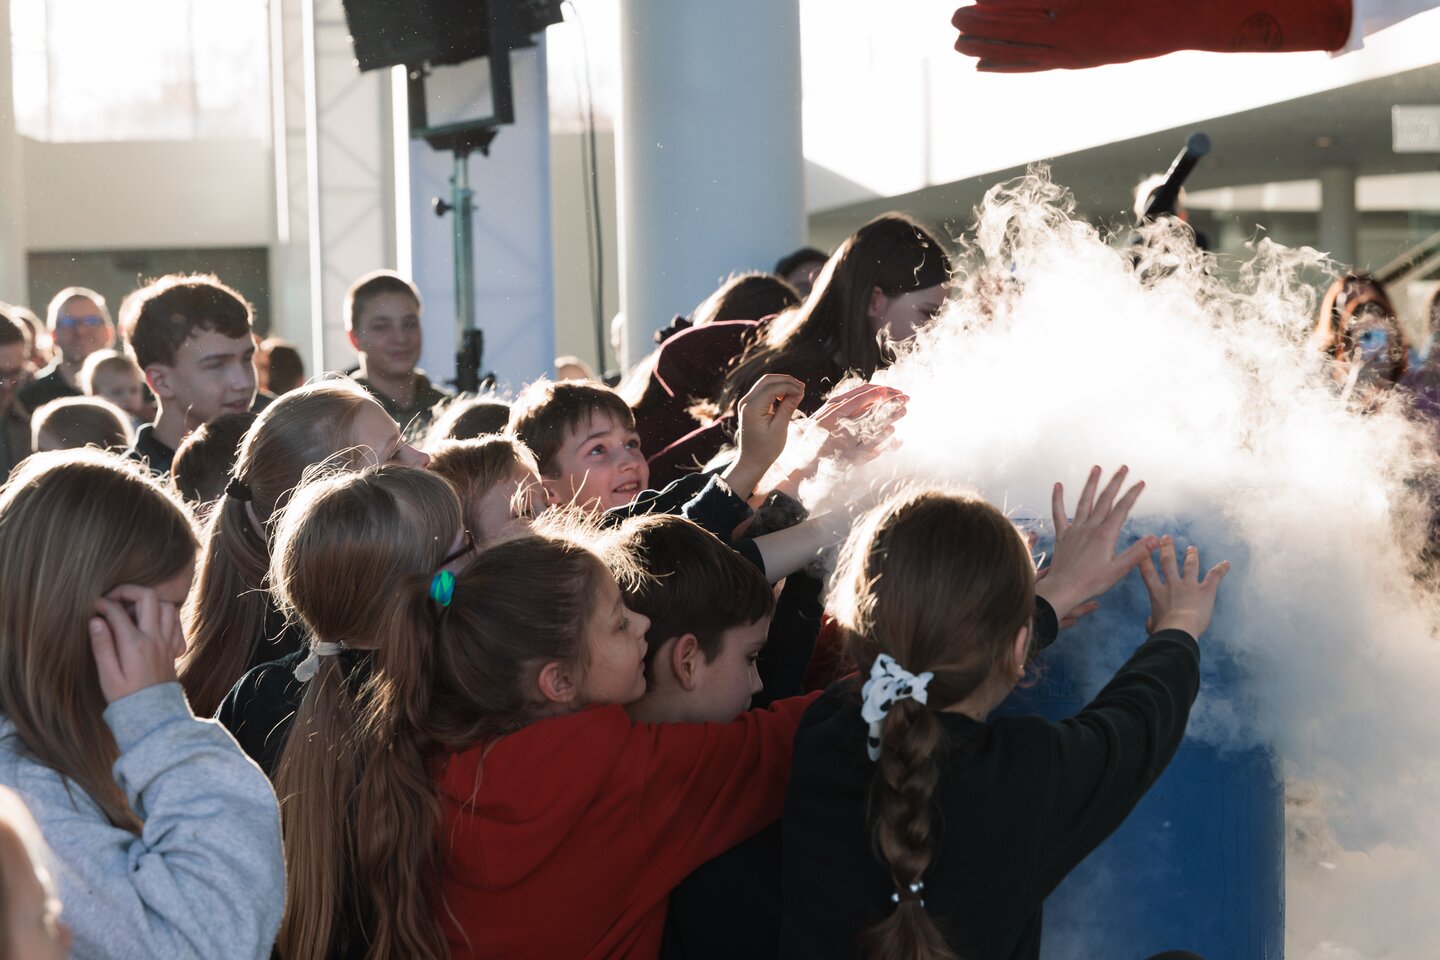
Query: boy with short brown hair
{"points": [[191, 335]]}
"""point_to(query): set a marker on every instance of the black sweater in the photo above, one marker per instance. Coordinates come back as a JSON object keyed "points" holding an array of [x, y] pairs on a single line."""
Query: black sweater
{"points": [[1021, 802], [260, 708]]}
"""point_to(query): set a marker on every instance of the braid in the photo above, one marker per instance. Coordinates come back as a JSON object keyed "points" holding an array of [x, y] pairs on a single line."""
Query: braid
{"points": [[901, 813]]}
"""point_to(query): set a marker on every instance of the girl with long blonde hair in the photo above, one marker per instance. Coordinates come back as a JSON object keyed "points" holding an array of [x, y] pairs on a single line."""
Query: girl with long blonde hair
{"points": [[231, 621], [915, 826], [166, 837], [355, 555]]}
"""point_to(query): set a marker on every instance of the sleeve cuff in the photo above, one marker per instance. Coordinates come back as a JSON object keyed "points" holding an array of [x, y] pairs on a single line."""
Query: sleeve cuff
{"points": [[133, 718]]}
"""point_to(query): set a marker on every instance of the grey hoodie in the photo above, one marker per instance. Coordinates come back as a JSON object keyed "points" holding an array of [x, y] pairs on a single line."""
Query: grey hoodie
{"points": [[204, 879]]}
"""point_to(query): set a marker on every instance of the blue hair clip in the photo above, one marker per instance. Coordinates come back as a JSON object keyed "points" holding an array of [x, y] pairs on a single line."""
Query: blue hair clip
{"points": [[442, 588]]}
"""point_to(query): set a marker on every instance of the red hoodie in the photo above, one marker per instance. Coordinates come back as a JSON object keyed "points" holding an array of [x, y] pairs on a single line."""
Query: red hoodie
{"points": [[566, 843]]}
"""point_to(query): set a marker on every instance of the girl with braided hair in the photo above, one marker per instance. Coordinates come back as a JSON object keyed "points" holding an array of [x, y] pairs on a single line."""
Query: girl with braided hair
{"points": [[915, 827]]}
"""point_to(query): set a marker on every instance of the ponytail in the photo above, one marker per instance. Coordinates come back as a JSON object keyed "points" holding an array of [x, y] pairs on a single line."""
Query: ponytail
{"points": [[316, 784], [226, 618], [354, 557], [899, 562], [902, 797]]}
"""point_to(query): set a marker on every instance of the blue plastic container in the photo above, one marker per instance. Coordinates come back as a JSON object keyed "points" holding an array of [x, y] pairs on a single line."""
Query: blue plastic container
{"points": [[1199, 864]]}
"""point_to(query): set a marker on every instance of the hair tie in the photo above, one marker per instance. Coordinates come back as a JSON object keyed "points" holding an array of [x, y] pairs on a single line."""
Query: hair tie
{"points": [[237, 489], [889, 683], [900, 896], [442, 588], [308, 667]]}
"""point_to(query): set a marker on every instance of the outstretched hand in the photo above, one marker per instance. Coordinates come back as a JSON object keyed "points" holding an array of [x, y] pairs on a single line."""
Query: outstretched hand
{"points": [[134, 650], [765, 413], [842, 415], [1085, 564], [1183, 600]]}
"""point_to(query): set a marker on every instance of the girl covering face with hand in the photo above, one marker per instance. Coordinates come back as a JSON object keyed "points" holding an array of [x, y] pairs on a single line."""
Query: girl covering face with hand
{"points": [[97, 737]]}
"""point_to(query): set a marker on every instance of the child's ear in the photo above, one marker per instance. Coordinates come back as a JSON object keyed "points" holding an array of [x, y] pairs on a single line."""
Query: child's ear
{"points": [[878, 304], [1021, 652], [157, 375], [685, 660], [557, 683]]}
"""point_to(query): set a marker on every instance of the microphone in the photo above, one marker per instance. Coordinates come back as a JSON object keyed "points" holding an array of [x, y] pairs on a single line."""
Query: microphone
{"points": [[1166, 197]]}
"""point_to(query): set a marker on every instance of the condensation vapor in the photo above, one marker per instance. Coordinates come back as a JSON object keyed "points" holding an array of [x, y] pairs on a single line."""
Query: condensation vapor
{"points": [[1062, 351]]}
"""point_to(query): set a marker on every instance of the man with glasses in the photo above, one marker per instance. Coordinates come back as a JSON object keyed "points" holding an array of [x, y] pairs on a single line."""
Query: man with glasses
{"points": [[14, 416], [79, 325]]}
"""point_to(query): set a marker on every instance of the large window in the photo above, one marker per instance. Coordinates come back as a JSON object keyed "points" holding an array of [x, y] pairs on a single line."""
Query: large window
{"points": [[140, 69]]}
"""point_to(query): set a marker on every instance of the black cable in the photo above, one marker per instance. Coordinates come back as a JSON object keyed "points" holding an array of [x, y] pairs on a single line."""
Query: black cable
{"points": [[595, 245]]}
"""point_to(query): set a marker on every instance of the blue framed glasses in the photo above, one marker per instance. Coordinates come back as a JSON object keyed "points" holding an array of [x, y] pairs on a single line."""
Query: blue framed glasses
{"points": [[69, 322]]}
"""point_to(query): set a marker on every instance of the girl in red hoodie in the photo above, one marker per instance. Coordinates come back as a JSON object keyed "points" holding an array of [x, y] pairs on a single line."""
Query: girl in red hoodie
{"points": [[564, 824]]}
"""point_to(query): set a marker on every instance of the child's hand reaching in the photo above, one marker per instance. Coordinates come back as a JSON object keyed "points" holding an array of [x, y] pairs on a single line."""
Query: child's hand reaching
{"points": [[1182, 600], [839, 416], [765, 413], [134, 650], [1086, 564]]}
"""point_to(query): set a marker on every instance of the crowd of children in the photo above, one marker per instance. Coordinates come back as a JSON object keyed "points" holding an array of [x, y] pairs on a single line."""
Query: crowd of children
{"points": [[488, 692]]}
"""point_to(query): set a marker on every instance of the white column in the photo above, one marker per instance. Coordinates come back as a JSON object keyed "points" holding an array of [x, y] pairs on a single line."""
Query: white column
{"points": [[12, 187], [290, 294], [708, 150], [1339, 223], [350, 175]]}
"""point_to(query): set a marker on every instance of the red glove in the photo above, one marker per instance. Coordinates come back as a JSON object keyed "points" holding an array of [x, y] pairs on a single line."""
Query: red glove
{"points": [[1021, 36]]}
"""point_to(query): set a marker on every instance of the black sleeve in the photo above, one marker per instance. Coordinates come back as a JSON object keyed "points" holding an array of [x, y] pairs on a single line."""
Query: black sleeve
{"points": [[785, 659], [701, 498], [1109, 754], [1047, 624]]}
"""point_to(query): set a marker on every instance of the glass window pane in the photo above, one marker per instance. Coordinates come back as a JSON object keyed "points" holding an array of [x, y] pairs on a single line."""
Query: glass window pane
{"points": [[142, 70]]}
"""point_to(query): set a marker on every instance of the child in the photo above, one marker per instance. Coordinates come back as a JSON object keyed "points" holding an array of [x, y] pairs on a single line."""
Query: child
{"points": [[709, 613], [31, 928], [205, 459], [583, 437], [355, 555], [913, 826], [113, 376], [279, 366], [495, 667], [537, 659], [382, 317], [498, 484], [470, 418], [231, 619], [489, 474], [165, 836], [190, 334], [710, 623], [74, 422]]}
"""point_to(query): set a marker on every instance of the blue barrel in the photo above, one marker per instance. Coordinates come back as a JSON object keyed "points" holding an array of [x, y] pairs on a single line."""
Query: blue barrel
{"points": [[1199, 864]]}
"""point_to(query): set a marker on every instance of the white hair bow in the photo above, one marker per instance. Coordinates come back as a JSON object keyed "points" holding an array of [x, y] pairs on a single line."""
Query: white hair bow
{"points": [[889, 683]]}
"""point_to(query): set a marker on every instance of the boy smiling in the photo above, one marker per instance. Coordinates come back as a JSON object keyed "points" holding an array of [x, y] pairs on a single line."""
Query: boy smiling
{"points": [[191, 337]]}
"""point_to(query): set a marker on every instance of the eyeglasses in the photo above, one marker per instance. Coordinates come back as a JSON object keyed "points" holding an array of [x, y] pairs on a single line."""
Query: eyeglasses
{"points": [[467, 546], [68, 322]]}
